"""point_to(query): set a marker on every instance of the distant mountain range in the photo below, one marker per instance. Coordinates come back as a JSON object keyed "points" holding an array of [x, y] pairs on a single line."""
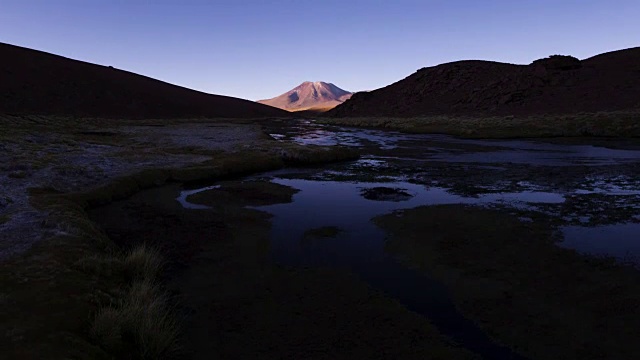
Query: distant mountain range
{"points": [[35, 82], [554, 85], [313, 96]]}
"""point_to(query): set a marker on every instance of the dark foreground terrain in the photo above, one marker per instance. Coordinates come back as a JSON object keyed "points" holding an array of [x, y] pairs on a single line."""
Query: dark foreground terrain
{"points": [[130, 237], [238, 303], [426, 247], [69, 291]]}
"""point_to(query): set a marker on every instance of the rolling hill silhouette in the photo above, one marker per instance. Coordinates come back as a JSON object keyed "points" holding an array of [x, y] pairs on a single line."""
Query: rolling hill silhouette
{"points": [[35, 82], [554, 85], [312, 96]]}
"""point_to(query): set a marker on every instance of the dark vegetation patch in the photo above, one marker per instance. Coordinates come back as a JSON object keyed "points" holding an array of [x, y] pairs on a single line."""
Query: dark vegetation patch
{"points": [[511, 278], [254, 193], [5, 218], [618, 124], [385, 194], [82, 296]]}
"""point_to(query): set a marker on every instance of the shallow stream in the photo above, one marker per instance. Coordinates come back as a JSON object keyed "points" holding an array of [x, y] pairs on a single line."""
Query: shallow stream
{"points": [[592, 195]]}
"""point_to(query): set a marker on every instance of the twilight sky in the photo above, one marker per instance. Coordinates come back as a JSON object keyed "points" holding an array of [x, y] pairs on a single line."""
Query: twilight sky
{"points": [[256, 49]]}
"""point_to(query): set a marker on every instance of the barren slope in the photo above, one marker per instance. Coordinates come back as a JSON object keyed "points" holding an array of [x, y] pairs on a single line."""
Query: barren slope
{"points": [[555, 85], [35, 82]]}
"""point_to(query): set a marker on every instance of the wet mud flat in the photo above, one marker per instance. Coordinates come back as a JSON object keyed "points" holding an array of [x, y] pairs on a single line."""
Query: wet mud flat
{"points": [[426, 247]]}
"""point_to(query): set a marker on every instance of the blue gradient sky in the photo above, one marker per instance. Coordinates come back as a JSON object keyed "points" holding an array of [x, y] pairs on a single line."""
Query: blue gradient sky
{"points": [[260, 49]]}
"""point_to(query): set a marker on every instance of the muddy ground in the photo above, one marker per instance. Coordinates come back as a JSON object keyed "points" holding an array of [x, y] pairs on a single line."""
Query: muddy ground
{"points": [[237, 303], [510, 277]]}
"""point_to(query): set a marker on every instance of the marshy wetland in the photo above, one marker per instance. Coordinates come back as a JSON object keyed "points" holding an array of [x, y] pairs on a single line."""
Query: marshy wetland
{"points": [[246, 239], [427, 246]]}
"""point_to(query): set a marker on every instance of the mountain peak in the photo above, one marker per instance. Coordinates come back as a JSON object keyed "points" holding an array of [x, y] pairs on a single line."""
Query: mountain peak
{"points": [[310, 95]]}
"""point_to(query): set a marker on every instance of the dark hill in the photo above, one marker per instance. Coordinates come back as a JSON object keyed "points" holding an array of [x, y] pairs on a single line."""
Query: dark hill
{"points": [[555, 85], [35, 82]]}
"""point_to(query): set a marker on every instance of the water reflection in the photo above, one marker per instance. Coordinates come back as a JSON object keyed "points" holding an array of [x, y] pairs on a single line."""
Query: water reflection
{"points": [[359, 246], [342, 204], [621, 241], [182, 198], [496, 151]]}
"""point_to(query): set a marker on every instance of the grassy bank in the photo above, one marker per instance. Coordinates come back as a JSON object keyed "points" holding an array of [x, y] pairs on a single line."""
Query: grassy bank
{"points": [[508, 276], [624, 124], [75, 294]]}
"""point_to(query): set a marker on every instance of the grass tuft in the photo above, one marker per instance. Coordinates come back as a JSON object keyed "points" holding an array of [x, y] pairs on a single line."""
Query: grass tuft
{"points": [[142, 321], [108, 327], [143, 262]]}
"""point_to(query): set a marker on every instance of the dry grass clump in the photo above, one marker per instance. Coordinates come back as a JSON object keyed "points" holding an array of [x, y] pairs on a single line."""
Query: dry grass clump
{"points": [[66, 217], [142, 321], [143, 263], [77, 224]]}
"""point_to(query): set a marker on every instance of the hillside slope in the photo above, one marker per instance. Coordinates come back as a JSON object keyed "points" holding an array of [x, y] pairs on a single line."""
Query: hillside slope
{"points": [[320, 96], [35, 82], [555, 85]]}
